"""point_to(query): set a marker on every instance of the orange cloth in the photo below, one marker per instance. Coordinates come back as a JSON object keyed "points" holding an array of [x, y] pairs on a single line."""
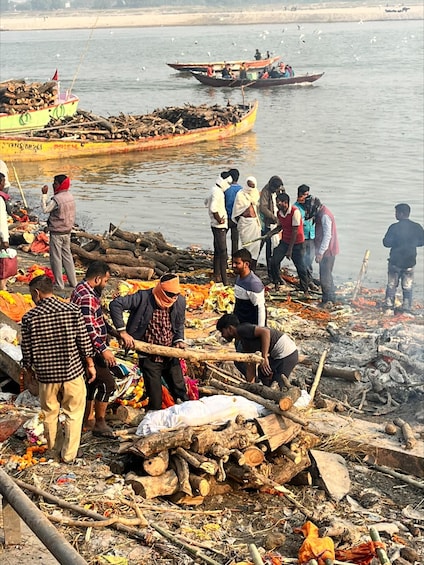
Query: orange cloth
{"points": [[313, 546], [40, 243], [15, 305], [361, 554], [160, 290], [167, 399]]}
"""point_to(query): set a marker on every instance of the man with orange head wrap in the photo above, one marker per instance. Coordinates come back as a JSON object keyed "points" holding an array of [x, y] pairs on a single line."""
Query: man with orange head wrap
{"points": [[157, 316]]}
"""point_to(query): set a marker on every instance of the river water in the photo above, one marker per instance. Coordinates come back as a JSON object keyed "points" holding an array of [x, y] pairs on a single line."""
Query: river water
{"points": [[355, 137]]}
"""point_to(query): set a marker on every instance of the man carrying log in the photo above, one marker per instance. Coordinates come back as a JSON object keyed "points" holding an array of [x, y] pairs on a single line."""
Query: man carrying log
{"points": [[279, 352], [87, 295], [157, 316]]}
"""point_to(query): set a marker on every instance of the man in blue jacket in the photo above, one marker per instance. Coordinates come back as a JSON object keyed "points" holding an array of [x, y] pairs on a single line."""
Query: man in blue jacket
{"points": [[157, 316]]}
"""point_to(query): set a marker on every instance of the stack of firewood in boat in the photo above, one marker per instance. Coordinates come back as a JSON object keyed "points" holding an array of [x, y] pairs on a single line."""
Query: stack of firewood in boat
{"points": [[190, 462], [128, 127], [18, 96], [136, 255]]}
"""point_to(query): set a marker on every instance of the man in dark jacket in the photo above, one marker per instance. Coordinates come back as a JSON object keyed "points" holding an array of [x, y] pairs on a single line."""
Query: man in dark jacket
{"points": [[403, 238], [157, 316]]}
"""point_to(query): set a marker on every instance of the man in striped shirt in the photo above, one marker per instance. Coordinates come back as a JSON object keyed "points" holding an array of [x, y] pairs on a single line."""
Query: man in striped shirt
{"points": [[87, 295], [56, 349]]}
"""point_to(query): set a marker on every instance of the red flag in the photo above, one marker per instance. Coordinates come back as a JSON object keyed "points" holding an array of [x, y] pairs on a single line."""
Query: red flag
{"points": [[55, 76]]}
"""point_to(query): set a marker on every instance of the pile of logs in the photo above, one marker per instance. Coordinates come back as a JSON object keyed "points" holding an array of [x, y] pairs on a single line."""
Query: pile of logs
{"points": [[135, 255], [168, 121], [191, 461], [17, 96]]}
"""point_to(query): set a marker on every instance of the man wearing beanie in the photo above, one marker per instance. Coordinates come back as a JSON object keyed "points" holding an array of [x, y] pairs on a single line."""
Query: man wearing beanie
{"points": [[157, 316], [219, 225]]}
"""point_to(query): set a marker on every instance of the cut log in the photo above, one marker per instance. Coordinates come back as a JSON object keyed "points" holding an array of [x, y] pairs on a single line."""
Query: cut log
{"points": [[269, 404], [232, 437], [253, 456], [129, 415], [200, 485], [408, 434], [156, 465], [294, 455], [194, 355], [152, 487], [352, 375], [160, 441], [285, 399], [277, 430], [183, 474], [283, 474], [209, 466], [142, 273]]}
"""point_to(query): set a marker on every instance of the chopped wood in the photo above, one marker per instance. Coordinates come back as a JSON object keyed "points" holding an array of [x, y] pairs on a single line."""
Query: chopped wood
{"points": [[408, 434], [152, 487], [231, 437], [183, 473], [198, 461], [129, 415], [277, 430], [318, 375], [253, 456], [160, 441], [157, 464], [200, 485], [285, 398]]}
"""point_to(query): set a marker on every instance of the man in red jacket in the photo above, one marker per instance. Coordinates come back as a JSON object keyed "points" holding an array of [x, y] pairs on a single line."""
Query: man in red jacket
{"points": [[326, 245], [292, 244]]}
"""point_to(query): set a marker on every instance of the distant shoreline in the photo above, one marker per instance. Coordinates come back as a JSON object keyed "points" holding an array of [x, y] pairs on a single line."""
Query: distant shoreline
{"points": [[25, 21]]}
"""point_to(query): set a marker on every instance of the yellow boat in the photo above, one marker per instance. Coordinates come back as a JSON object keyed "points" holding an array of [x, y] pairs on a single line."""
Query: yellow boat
{"points": [[29, 148]]}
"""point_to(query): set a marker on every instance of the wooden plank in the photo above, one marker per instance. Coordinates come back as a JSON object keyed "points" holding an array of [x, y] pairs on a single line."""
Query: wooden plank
{"points": [[9, 366], [278, 430], [368, 438]]}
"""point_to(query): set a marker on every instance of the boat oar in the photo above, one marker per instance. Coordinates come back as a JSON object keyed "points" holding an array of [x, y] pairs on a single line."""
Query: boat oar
{"points": [[20, 187]]}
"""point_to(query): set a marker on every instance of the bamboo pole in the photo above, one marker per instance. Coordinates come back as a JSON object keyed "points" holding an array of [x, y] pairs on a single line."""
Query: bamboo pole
{"points": [[381, 552], [318, 375], [361, 275], [20, 187], [256, 556]]}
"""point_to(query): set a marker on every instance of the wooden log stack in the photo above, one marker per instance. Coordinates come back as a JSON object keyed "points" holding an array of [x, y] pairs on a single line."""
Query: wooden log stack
{"points": [[168, 121], [135, 255], [17, 96], [189, 463]]}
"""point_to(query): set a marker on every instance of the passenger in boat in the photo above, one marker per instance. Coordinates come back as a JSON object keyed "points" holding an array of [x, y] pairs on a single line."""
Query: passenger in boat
{"points": [[326, 246], [290, 71], [274, 73], [264, 74], [279, 352], [227, 73], [291, 244], [243, 72], [61, 220], [230, 196], [268, 213], [209, 71], [268, 55], [402, 238], [246, 215], [157, 316], [215, 203], [87, 295], [258, 55]]}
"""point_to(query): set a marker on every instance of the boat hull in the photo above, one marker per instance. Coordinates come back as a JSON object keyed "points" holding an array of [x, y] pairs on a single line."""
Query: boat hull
{"points": [[38, 119], [25, 148], [219, 65], [254, 83]]}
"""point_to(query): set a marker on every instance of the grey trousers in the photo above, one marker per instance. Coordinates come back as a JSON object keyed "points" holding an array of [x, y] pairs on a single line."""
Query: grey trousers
{"points": [[61, 258]]}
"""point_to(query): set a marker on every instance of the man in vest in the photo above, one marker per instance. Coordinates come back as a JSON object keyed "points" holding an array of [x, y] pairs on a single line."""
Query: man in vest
{"points": [[61, 210], [292, 244], [326, 245]]}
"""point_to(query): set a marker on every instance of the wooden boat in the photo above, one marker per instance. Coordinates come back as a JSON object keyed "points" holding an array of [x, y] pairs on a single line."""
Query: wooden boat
{"points": [[66, 105], [29, 148], [254, 83], [219, 65]]}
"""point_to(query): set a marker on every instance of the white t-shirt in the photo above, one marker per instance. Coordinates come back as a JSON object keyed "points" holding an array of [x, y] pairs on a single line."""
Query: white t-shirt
{"points": [[216, 204]]}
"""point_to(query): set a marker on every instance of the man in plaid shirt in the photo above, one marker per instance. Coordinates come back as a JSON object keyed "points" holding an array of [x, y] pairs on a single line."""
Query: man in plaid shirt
{"points": [[55, 348], [87, 296]]}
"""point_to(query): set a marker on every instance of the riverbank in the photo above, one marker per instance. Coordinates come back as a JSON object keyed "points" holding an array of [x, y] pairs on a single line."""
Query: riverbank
{"points": [[183, 17]]}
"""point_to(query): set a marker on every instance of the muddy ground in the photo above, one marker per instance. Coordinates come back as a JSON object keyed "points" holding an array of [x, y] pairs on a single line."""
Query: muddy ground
{"points": [[220, 529]]}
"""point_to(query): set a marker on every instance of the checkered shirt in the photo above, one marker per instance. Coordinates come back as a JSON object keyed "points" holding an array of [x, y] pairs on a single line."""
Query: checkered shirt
{"points": [[88, 300], [159, 331], [55, 341]]}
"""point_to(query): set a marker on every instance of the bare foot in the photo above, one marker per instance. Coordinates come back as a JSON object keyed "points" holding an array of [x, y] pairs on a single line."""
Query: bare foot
{"points": [[88, 426], [102, 429]]}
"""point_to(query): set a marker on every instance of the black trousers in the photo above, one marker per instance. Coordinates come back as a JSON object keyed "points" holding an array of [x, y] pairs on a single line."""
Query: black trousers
{"points": [[298, 257], [153, 372], [220, 255]]}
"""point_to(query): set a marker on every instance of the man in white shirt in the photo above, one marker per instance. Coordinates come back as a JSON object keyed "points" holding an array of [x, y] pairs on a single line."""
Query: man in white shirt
{"points": [[219, 225]]}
